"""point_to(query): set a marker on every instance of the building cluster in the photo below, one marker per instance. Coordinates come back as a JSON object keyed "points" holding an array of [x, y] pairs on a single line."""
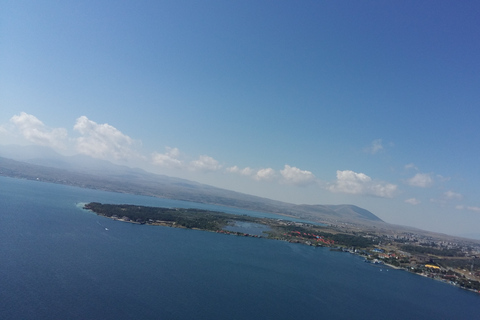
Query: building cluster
{"points": [[465, 246]]}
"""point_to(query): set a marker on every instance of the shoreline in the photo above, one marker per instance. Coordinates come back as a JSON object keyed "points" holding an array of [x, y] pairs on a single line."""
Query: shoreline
{"points": [[240, 234], [425, 276], [275, 234]]}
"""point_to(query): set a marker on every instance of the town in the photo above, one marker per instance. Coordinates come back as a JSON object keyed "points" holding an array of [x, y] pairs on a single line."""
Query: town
{"points": [[454, 261]]}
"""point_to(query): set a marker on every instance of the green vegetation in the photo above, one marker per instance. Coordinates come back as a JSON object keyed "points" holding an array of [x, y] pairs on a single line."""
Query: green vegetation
{"points": [[466, 263], [187, 218], [313, 233], [216, 221], [353, 241], [433, 251]]}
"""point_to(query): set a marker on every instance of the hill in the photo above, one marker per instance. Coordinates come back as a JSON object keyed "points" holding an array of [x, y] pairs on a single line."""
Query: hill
{"points": [[86, 172]]}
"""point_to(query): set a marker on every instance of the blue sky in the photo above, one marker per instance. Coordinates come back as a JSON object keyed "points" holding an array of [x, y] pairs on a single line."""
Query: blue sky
{"points": [[370, 103]]}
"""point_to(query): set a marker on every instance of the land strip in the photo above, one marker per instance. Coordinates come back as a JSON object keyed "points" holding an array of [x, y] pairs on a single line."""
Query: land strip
{"points": [[443, 261]]}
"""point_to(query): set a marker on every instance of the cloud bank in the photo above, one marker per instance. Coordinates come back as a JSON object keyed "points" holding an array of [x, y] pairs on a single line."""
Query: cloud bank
{"points": [[265, 174], [107, 142], [375, 147], [103, 140], [450, 195], [413, 201], [170, 159], [469, 208], [359, 183], [293, 175], [33, 130], [205, 163], [421, 180], [245, 171]]}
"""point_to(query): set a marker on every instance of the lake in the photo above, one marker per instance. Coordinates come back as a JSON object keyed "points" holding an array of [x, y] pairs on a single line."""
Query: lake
{"points": [[59, 261]]}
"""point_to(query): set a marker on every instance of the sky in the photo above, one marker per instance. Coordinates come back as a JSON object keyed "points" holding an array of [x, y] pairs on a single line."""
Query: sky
{"points": [[371, 103]]}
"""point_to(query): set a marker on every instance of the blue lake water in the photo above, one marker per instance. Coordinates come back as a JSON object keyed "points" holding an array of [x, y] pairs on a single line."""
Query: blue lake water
{"points": [[58, 261]]}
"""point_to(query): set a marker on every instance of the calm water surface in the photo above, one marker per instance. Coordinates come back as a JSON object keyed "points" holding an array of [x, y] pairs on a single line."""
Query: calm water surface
{"points": [[58, 261]]}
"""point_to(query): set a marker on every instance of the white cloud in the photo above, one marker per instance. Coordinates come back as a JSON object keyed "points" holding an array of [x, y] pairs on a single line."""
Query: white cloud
{"points": [[382, 189], [233, 169], [359, 183], [450, 195], [422, 180], [469, 208], [296, 176], [289, 175], [350, 182], [245, 171], [170, 159], [265, 174], [410, 166], [35, 131], [103, 140], [6, 134], [205, 163], [413, 201], [441, 178], [375, 147], [261, 174]]}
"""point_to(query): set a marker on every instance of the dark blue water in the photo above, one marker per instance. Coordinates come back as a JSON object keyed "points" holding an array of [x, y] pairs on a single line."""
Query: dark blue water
{"points": [[59, 262]]}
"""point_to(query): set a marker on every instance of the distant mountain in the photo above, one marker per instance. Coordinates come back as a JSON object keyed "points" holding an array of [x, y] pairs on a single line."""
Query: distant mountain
{"points": [[45, 156], [90, 173], [28, 153], [349, 211], [470, 235]]}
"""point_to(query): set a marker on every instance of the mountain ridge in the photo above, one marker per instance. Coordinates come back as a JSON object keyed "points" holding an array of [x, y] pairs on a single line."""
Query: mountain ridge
{"points": [[112, 177]]}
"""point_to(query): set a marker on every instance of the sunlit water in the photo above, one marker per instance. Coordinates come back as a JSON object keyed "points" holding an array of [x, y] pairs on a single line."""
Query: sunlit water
{"points": [[58, 261]]}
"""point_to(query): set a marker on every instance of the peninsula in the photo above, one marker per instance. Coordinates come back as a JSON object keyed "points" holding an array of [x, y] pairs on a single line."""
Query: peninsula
{"points": [[214, 221], [445, 262]]}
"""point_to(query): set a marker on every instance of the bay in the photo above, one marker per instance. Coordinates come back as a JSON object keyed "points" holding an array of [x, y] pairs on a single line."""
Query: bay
{"points": [[58, 261]]}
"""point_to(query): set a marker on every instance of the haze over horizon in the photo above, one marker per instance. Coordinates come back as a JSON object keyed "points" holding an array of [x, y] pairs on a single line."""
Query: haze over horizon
{"points": [[372, 104]]}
